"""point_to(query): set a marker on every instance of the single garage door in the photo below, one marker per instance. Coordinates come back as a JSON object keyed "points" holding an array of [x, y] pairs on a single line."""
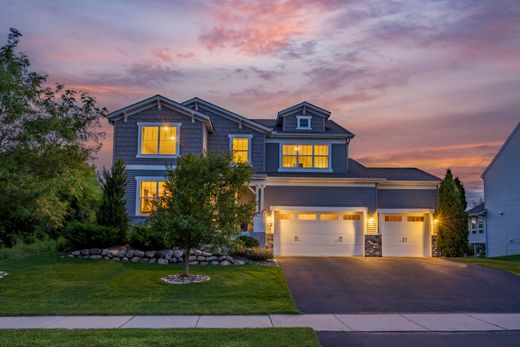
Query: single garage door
{"points": [[404, 235], [307, 233]]}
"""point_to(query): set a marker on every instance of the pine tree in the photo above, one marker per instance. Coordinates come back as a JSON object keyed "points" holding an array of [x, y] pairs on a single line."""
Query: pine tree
{"points": [[112, 211], [453, 226]]}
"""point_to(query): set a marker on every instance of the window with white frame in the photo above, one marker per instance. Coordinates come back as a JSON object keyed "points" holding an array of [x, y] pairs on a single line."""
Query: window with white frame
{"points": [[303, 122], [473, 225], [305, 156], [158, 139], [480, 225], [149, 191], [240, 146]]}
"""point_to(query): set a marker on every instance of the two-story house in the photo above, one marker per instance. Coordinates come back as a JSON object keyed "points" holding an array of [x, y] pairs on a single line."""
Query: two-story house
{"points": [[495, 224], [311, 198]]}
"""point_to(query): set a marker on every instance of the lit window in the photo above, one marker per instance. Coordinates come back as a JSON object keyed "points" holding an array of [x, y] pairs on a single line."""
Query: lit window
{"points": [[303, 122], [351, 216], [328, 216], [415, 218], [285, 216], [473, 223], [158, 140], [305, 156], [307, 216], [240, 149], [149, 193], [393, 218]]}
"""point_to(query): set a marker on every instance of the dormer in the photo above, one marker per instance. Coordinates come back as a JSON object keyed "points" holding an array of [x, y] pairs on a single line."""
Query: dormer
{"points": [[302, 118]]}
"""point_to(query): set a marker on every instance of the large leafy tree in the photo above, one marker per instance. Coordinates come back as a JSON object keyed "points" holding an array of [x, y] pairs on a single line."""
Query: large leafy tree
{"points": [[452, 225], [46, 137], [112, 211], [200, 206]]}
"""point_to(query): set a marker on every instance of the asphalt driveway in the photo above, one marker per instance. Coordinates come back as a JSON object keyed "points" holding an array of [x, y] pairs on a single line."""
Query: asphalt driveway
{"points": [[391, 285]]}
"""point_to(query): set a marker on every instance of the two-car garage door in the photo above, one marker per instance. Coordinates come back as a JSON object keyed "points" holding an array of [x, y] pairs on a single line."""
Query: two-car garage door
{"points": [[308, 233]]}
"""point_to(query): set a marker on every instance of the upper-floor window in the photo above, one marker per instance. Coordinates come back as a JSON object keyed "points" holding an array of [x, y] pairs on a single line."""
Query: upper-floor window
{"points": [[158, 139], [480, 225], [303, 122], [240, 146], [305, 156], [473, 224], [149, 190]]}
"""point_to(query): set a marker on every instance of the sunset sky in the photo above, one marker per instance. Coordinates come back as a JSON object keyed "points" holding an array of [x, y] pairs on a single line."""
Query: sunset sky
{"points": [[430, 84]]}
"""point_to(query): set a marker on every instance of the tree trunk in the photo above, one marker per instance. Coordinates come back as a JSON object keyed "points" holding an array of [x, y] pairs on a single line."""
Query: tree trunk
{"points": [[186, 272]]}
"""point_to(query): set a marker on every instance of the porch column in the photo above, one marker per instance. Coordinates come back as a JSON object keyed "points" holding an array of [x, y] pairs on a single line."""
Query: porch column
{"points": [[262, 203], [256, 199]]}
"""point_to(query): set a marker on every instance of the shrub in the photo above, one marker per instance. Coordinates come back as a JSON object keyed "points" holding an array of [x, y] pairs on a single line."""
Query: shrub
{"points": [[83, 235], [255, 253], [143, 237], [21, 249], [248, 241]]}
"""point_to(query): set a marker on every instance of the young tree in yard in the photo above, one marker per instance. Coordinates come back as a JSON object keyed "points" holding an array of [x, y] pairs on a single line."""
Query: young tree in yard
{"points": [[200, 206], [112, 211], [452, 225], [46, 137]]}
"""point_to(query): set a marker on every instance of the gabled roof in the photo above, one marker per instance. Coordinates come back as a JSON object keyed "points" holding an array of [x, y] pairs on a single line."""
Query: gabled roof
{"points": [[331, 128], [501, 150], [478, 210], [391, 173], [160, 101], [226, 113], [303, 106]]}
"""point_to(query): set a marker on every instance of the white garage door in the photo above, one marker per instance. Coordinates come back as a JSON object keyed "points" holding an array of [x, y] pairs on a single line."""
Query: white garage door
{"points": [[404, 235], [316, 234]]}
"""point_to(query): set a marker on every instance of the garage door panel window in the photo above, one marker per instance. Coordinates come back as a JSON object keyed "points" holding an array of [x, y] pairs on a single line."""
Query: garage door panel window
{"points": [[415, 219], [307, 216], [393, 218], [351, 217], [285, 216], [328, 216]]}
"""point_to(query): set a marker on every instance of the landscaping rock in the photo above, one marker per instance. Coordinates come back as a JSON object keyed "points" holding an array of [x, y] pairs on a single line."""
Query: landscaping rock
{"points": [[75, 253], [215, 262], [212, 258], [201, 258], [95, 251], [152, 260], [125, 259], [162, 261], [121, 253], [179, 279], [116, 259], [178, 253], [194, 263], [104, 252], [136, 260], [239, 262], [198, 252], [169, 255], [3, 274], [173, 260], [225, 262], [139, 254], [130, 253], [70, 256], [149, 254], [96, 257], [193, 257], [85, 252]]}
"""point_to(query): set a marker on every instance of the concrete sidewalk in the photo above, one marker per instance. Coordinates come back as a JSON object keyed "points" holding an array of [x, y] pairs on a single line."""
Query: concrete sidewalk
{"points": [[318, 322]]}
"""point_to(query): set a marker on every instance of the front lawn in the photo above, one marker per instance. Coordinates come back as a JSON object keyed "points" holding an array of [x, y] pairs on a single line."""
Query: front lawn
{"points": [[48, 285], [161, 337], [510, 263]]}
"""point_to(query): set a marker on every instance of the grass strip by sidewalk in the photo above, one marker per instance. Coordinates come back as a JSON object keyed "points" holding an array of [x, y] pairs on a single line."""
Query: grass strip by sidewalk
{"points": [[48, 285], [297, 337], [509, 263]]}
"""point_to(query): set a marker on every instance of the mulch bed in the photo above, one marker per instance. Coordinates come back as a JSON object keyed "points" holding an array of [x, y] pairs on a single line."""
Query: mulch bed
{"points": [[179, 279]]}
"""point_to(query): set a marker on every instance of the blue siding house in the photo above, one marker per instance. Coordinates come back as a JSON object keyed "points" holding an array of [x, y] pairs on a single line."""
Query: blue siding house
{"points": [[311, 199]]}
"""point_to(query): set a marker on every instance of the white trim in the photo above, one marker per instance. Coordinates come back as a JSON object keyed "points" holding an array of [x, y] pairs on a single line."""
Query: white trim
{"points": [[314, 141], [138, 180], [321, 180], [176, 125], [423, 187], [313, 169], [320, 184], [249, 143], [319, 208], [150, 167], [405, 210], [298, 118]]}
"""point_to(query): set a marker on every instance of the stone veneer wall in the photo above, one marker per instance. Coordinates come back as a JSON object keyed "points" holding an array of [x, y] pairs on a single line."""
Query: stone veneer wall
{"points": [[269, 239], [435, 250], [373, 246]]}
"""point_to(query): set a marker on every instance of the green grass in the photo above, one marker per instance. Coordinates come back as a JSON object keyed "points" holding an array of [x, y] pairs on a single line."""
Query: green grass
{"points": [[510, 263], [48, 285], [161, 337]]}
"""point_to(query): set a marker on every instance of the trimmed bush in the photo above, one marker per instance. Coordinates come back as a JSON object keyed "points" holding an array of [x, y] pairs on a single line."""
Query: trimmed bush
{"points": [[255, 253], [83, 235], [248, 241], [145, 238]]}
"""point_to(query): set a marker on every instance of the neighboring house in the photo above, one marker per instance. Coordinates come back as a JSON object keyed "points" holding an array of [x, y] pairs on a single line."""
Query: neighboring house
{"points": [[477, 229], [311, 198], [500, 213]]}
